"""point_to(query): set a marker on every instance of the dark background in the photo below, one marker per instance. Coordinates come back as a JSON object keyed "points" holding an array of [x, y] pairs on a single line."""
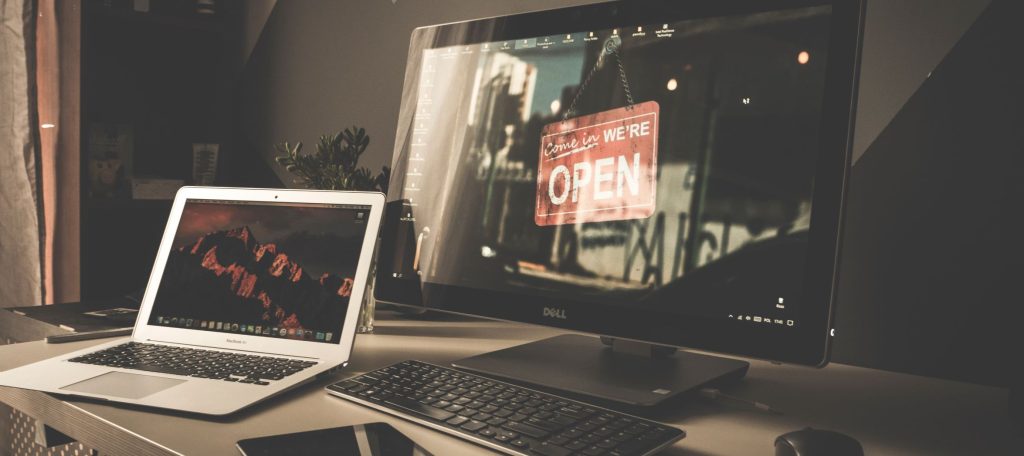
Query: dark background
{"points": [[930, 277]]}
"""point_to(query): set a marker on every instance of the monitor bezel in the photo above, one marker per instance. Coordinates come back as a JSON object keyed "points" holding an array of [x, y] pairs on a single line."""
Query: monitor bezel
{"points": [[807, 343]]}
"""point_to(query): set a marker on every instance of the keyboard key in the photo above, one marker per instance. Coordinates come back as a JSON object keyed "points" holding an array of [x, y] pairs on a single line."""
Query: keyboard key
{"points": [[525, 429], [457, 420], [558, 440], [607, 444], [420, 409], [474, 425], [576, 445], [575, 414]]}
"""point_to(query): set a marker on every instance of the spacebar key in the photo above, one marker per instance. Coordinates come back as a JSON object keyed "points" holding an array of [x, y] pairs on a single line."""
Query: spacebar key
{"points": [[160, 369], [412, 406]]}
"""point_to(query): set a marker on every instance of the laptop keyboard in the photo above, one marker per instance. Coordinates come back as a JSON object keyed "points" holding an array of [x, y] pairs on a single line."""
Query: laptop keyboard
{"points": [[503, 416], [194, 362]]}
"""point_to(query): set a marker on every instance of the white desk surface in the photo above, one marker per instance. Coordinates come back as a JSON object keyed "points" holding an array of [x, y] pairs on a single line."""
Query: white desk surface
{"points": [[891, 414]]}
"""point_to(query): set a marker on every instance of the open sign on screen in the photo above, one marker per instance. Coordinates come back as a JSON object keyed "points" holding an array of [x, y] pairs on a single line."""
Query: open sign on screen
{"points": [[599, 167]]}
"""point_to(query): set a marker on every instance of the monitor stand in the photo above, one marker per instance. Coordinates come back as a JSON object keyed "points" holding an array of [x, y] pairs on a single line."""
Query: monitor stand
{"points": [[624, 372]]}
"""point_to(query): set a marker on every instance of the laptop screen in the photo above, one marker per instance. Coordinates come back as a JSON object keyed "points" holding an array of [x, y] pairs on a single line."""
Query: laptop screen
{"points": [[282, 270]]}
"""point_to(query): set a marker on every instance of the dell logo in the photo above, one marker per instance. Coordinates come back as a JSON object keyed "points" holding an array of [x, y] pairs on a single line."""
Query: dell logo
{"points": [[553, 312]]}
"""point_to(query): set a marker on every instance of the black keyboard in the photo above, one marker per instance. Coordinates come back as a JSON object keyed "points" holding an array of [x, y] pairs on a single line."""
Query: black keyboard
{"points": [[503, 416], [194, 362]]}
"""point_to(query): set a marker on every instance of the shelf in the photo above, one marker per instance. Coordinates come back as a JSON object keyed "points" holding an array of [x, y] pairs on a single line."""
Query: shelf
{"points": [[125, 203], [195, 21]]}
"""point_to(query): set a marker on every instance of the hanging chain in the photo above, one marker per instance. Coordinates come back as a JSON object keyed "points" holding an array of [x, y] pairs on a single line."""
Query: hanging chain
{"points": [[583, 86], [622, 77], [611, 47]]}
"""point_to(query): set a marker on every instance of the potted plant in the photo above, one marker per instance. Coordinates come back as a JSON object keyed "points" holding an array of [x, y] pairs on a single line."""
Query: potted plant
{"points": [[335, 166]]}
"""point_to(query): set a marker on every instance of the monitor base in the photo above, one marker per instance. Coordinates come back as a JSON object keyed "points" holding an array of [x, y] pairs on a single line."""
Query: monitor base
{"points": [[582, 365]]}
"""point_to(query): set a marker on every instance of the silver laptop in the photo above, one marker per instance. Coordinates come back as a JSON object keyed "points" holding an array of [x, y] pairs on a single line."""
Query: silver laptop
{"points": [[253, 292]]}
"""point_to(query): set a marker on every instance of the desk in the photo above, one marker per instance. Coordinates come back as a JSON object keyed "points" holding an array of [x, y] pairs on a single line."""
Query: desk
{"points": [[889, 413]]}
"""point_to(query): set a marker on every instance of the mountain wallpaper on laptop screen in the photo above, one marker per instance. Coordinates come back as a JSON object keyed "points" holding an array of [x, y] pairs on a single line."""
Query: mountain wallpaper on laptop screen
{"points": [[230, 276]]}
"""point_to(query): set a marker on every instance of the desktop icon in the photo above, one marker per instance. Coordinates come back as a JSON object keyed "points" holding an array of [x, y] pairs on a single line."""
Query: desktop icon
{"points": [[291, 331], [319, 336], [234, 327], [220, 325], [789, 323], [283, 332], [309, 334], [266, 330], [241, 328], [174, 320], [757, 319], [202, 324], [328, 336], [259, 330]]}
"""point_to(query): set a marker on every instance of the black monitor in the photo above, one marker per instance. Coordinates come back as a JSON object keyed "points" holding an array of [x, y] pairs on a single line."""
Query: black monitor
{"points": [[664, 172]]}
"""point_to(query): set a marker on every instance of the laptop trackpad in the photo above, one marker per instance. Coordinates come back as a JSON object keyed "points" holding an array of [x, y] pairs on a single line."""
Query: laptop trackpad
{"points": [[120, 384]]}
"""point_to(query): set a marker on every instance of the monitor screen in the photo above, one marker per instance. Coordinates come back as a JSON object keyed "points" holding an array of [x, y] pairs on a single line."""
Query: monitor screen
{"points": [[265, 269], [655, 165]]}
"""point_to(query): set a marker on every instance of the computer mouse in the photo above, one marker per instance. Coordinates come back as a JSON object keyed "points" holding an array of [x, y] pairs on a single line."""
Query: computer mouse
{"points": [[817, 442]]}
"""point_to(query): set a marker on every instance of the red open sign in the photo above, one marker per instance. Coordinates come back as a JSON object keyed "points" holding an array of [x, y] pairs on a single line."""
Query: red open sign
{"points": [[599, 167]]}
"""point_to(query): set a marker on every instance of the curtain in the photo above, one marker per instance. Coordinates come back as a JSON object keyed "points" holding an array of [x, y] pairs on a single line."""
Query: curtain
{"points": [[21, 284]]}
